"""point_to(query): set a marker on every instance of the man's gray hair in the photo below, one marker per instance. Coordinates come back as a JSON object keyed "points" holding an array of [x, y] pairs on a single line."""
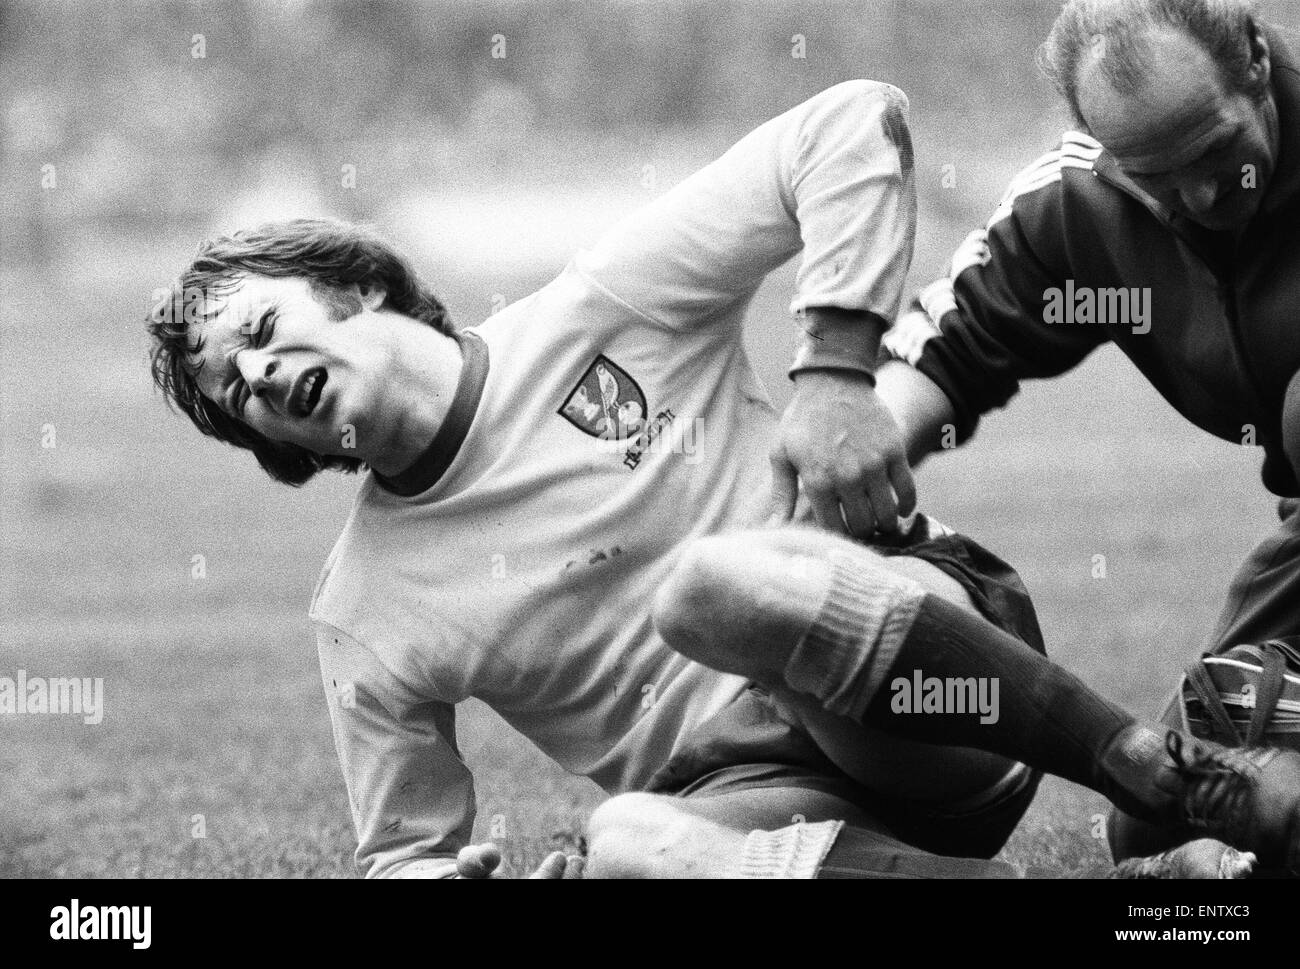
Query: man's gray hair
{"points": [[1118, 30]]}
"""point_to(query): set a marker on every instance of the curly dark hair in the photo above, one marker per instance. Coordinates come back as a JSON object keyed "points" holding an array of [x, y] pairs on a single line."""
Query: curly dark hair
{"points": [[331, 256], [1225, 29]]}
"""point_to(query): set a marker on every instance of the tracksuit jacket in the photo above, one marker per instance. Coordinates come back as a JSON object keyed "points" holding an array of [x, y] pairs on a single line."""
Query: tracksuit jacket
{"points": [[1222, 338]]}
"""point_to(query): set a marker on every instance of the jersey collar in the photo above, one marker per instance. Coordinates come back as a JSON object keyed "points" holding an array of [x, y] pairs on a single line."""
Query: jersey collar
{"points": [[430, 466]]}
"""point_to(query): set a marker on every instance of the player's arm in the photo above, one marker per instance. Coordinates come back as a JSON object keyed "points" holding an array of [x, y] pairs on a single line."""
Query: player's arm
{"points": [[411, 795], [832, 177], [856, 205]]}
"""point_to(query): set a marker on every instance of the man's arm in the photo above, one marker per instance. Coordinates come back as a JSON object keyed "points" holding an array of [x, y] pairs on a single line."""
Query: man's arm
{"points": [[924, 414], [978, 331], [833, 177]]}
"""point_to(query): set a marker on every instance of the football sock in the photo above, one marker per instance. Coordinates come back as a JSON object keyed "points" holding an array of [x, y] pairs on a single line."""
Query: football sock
{"points": [[795, 851], [833, 849], [1034, 711], [836, 849], [863, 853], [879, 667]]}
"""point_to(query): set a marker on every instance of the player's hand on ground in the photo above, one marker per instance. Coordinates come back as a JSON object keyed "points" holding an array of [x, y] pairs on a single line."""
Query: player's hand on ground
{"points": [[560, 866], [484, 861], [842, 442], [479, 861]]}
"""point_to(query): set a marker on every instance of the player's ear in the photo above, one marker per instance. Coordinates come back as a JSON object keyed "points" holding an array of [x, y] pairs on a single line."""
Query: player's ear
{"points": [[372, 295]]}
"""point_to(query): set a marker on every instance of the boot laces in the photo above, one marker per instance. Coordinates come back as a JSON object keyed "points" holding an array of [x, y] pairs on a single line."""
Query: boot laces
{"points": [[1218, 782]]}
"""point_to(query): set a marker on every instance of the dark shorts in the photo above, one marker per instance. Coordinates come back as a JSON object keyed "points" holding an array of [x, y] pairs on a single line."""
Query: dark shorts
{"points": [[750, 745]]}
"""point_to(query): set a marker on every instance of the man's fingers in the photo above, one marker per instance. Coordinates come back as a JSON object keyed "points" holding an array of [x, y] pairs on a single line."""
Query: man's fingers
{"points": [[574, 866], [826, 509], [858, 515], [785, 490], [900, 475], [552, 868], [478, 861], [882, 502]]}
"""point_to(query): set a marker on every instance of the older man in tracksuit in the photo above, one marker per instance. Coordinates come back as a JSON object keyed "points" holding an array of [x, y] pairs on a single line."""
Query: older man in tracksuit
{"points": [[1178, 241]]}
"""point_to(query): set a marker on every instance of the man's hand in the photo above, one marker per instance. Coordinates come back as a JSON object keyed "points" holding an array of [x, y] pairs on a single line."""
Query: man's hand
{"points": [[841, 440], [484, 861]]}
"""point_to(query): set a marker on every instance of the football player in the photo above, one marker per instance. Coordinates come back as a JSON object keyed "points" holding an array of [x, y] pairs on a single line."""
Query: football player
{"points": [[603, 583]]}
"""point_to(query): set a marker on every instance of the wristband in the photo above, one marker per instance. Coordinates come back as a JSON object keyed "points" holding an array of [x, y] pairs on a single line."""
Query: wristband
{"points": [[841, 340], [854, 371]]}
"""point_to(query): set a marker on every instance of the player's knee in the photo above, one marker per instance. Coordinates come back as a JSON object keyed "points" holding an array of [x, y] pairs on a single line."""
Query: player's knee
{"points": [[728, 595], [623, 836], [696, 589]]}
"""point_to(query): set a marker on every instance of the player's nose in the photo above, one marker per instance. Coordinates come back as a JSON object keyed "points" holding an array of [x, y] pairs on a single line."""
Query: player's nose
{"points": [[258, 368]]}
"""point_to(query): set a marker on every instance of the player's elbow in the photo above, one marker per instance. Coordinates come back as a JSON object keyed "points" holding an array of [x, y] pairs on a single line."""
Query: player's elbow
{"points": [[863, 92], [868, 101]]}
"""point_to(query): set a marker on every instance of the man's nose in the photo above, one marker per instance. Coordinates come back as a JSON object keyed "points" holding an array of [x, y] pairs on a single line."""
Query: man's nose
{"points": [[257, 367], [1200, 196]]}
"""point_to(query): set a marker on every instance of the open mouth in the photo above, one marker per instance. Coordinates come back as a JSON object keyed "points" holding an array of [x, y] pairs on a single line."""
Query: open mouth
{"points": [[306, 395]]}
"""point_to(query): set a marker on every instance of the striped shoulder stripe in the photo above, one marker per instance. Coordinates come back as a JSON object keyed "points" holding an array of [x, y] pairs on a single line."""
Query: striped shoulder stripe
{"points": [[1076, 150], [1073, 145], [1082, 140]]}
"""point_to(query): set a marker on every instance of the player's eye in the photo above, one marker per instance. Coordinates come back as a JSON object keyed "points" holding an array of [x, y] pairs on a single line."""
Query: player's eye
{"points": [[260, 332]]}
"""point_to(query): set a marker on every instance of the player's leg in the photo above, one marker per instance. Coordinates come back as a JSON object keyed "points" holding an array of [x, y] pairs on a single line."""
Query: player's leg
{"points": [[748, 834], [913, 771], [834, 617], [768, 832], [830, 619]]}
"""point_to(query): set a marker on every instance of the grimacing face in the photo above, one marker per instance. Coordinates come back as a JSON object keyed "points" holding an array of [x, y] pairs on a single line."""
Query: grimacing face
{"points": [[275, 358], [1201, 150]]}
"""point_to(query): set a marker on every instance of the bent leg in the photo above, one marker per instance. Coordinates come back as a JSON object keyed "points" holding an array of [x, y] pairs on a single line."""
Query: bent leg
{"points": [[819, 615], [767, 594]]}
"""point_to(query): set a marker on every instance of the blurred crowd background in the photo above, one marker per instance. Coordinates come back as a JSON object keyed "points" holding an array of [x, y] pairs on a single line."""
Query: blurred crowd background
{"points": [[181, 115], [490, 140]]}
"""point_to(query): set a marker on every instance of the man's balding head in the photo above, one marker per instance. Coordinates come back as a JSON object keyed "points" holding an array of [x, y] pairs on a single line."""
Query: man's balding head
{"points": [[1114, 37], [1179, 93]]}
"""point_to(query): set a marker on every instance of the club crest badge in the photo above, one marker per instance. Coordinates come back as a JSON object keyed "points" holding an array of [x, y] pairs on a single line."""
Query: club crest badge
{"points": [[606, 403]]}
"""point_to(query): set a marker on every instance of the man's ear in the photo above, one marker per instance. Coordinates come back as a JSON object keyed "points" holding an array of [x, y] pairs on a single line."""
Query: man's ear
{"points": [[1261, 65], [372, 295]]}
